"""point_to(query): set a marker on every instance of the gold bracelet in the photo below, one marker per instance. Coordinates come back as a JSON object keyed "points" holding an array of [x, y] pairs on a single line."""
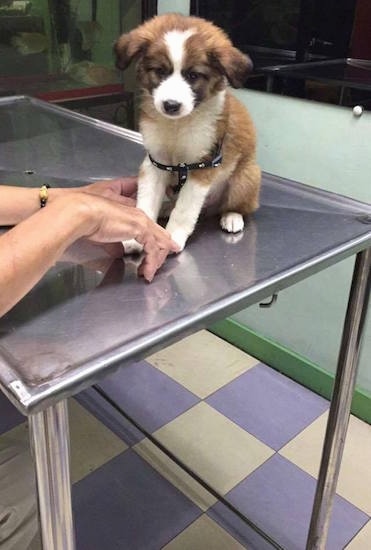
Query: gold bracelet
{"points": [[43, 195]]}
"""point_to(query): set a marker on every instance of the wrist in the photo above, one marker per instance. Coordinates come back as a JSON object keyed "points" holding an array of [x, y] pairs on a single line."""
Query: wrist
{"points": [[88, 211], [55, 193], [79, 217]]}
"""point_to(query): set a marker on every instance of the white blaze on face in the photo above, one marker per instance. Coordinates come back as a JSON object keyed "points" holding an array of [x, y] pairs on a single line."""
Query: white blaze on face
{"points": [[175, 88]]}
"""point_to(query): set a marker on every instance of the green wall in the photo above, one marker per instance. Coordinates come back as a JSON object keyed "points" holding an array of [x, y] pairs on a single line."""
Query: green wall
{"points": [[324, 146], [179, 6]]}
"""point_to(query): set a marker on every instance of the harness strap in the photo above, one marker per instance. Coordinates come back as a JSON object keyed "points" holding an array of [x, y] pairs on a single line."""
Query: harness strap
{"points": [[182, 168]]}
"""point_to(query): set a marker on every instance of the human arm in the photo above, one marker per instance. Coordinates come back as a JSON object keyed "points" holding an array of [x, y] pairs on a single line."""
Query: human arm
{"points": [[18, 203], [30, 248]]}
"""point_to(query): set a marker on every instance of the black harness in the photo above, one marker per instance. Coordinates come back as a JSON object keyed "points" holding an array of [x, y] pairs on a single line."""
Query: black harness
{"points": [[182, 168]]}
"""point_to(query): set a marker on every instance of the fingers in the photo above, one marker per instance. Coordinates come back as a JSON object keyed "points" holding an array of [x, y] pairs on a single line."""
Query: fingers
{"points": [[119, 189], [128, 185], [114, 222], [151, 263], [164, 241], [153, 259], [125, 186], [157, 244]]}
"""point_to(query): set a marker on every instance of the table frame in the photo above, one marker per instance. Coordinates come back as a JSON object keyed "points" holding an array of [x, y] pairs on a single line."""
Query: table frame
{"points": [[48, 418], [49, 435]]}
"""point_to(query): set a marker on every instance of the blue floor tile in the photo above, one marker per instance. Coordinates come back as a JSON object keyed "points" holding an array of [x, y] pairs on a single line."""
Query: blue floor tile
{"points": [[278, 497], [149, 396], [109, 416], [268, 405], [127, 505]]}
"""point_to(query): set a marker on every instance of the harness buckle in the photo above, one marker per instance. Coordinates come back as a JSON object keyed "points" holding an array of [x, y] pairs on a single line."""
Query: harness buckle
{"points": [[182, 174], [216, 161]]}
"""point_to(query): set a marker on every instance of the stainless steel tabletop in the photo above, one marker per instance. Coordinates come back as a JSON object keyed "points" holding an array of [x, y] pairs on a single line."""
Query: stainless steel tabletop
{"points": [[91, 314]]}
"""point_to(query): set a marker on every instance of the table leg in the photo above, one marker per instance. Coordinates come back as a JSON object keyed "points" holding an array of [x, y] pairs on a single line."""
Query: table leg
{"points": [[49, 434], [269, 83], [341, 98], [341, 402]]}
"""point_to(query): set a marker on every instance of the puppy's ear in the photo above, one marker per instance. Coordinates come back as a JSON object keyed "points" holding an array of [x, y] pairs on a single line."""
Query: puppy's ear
{"points": [[129, 47], [233, 64]]}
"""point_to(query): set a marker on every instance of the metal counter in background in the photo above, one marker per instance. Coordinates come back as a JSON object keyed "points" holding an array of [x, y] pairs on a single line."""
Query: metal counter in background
{"points": [[346, 74], [91, 315]]}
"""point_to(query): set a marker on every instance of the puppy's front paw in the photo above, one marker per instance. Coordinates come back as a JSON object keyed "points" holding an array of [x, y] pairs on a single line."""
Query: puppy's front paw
{"points": [[180, 237], [232, 222], [132, 247]]}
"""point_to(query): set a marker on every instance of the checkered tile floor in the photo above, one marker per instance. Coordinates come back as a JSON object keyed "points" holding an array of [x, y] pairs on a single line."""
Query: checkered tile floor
{"points": [[251, 433]]}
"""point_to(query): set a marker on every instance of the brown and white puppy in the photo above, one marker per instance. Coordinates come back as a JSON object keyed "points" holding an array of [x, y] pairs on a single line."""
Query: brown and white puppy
{"points": [[187, 114]]}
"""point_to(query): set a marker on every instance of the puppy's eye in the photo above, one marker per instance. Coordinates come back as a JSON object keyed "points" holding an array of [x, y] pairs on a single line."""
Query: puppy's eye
{"points": [[159, 71], [193, 75]]}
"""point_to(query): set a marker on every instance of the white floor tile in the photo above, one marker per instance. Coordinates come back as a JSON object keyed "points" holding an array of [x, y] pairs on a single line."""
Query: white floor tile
{"points": [[204, 534], [216, 448], [176, 475], [92, 443], [355, 473], [202, 363], [363, 540]]}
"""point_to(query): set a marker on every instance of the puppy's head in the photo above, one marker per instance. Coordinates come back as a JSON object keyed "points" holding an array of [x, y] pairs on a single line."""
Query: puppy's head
{"points": [[181, 61]]}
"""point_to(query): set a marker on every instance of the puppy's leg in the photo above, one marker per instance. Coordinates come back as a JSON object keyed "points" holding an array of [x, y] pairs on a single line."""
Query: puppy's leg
{"points": [[151, 191], [242, 196], [188, 206]]}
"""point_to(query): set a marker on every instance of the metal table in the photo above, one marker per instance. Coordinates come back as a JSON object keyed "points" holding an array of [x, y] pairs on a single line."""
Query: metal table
{"points": [[91, 315], [345, 73]]}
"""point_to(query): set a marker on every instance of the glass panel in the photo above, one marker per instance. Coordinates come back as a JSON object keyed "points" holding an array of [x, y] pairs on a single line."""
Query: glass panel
{"points": [[284, 32], [61, 51]]}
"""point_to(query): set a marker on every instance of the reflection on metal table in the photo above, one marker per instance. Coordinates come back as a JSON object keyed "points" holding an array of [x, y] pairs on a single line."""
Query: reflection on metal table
{"points": [[90, 315]]}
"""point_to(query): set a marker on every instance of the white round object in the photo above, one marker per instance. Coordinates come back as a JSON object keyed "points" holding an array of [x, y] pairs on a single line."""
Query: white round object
{"points": [[357, 110]]}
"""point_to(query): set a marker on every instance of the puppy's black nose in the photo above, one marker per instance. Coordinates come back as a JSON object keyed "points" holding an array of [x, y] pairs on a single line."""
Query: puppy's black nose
{"points": [[171, 107]]}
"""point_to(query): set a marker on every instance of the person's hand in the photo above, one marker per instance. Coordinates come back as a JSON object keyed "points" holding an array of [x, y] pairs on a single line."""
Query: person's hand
{"points": [[111, 222], [122, 190]]}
